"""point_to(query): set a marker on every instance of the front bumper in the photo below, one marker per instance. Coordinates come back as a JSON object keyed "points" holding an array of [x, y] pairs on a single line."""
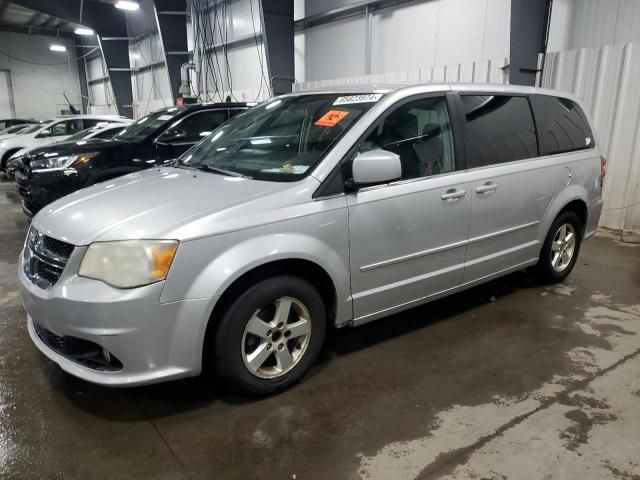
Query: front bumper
{"points": [[154, 342], [38, 190], [594, 210]]}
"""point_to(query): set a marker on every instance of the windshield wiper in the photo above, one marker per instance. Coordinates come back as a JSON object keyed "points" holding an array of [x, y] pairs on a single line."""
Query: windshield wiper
{"points": [[221, 171]]}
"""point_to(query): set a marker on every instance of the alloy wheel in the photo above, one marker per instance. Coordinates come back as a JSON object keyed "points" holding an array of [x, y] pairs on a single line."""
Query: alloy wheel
{"points": [[563, 247], [276, 338]]}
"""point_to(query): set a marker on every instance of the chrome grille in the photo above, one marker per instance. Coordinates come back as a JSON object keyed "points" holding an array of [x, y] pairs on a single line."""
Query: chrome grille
{"points": [[45, 258]]}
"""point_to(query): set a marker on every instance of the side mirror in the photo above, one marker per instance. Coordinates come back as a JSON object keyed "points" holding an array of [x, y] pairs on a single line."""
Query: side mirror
{"points": [[173, 135], [44, 134], [376, 166]]}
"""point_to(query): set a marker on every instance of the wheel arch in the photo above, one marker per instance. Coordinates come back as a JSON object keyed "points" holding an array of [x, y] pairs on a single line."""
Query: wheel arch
{"points": [[306, 269], [7, 155], [573, 198]]}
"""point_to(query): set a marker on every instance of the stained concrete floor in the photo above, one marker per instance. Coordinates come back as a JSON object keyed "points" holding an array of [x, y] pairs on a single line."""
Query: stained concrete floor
{"points": [[508, 380]]}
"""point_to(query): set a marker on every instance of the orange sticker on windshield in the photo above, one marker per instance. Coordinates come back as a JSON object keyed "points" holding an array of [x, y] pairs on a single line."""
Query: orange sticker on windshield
{"points": [[331, 118]]}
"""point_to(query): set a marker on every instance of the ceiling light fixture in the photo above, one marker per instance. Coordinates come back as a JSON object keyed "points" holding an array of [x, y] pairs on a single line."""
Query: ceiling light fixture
{"points": [[127, 5], [83, 31], [57, 48]]}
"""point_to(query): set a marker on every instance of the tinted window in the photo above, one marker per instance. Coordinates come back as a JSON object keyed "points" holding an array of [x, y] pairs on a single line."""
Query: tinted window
{"points": [[140, 130], [195, 127], [109, 133], [499, 129], [68, 127], [419, 131], [562, 126]]}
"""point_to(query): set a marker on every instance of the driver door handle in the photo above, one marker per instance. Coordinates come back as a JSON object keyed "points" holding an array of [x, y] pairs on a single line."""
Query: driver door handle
{"points": [[453, 194], [487, 188]]}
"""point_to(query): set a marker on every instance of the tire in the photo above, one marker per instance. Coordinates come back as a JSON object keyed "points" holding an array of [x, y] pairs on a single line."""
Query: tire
{"points": [[551, 268], [257, 353]]}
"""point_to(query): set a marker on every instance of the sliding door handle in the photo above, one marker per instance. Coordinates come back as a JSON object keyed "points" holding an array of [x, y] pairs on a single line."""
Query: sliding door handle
{"points": [[487, 188], [453, 194]]}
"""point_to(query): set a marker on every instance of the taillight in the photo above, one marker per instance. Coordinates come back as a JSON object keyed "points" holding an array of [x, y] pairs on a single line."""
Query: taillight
{"points": [[603, 170]]}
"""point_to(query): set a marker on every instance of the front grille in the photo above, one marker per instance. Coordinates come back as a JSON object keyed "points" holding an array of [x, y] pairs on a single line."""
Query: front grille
{"points": [[53, 341], [57, 247], [79, 350], [45, 258]]}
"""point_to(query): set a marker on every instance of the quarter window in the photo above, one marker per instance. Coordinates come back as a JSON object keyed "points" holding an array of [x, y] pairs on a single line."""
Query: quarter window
{"points": [[562, 126], [194, 127], [499, 129], [68, 127], [419, 131]]}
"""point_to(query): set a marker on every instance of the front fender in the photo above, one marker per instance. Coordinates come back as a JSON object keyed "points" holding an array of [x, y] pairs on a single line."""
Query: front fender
{"points": [[206, 267]]}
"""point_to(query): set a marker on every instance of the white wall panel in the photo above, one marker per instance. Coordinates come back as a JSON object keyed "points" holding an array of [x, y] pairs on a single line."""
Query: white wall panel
{"points": [[151, 87], [336, 49], [606, 79], [404, 37], [473, 72], [40, 77], [411, 35]]}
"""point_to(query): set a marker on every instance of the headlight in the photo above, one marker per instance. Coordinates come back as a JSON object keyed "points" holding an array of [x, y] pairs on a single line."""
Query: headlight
{"points": [[130, 263], [61, 162]]}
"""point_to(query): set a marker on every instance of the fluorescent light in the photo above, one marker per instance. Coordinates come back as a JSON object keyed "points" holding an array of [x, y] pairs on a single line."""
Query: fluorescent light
{"points": [[58, 48], [83, 31], [127, 5]]}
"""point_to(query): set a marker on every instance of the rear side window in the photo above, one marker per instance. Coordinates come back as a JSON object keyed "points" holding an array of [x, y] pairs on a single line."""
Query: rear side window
{"points": [[562, 126], [499, 129]]}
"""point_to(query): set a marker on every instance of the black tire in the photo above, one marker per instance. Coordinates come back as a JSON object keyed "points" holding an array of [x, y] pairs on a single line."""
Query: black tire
{"points": [[230, 343], [544, 269]]}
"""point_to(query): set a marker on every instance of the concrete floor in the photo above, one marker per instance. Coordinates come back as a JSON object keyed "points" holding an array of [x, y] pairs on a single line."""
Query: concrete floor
{"points": [[508, 380]]}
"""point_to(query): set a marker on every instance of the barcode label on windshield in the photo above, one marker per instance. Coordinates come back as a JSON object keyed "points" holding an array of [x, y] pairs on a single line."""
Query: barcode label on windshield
{"points": [[368, 98]]}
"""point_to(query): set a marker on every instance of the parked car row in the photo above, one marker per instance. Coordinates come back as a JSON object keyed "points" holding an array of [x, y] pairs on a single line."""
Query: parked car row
{"points": [[49, 161], [311, 210]]}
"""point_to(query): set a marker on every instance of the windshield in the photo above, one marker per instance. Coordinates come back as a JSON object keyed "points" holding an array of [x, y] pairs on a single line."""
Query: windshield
{"points": [[34, 128], [87, 131], [279, 140], [146, 126]]}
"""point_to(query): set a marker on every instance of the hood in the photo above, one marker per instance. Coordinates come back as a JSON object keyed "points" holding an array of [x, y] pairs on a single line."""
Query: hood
{"points": [[164, 203], [76, 146]]}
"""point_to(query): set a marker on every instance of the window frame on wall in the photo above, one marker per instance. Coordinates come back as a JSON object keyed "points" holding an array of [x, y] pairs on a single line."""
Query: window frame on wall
{"points": [[463, 124]]}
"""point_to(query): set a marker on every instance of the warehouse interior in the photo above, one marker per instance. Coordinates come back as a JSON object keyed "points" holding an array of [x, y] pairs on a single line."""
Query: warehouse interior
{"points": [[512, 378]]}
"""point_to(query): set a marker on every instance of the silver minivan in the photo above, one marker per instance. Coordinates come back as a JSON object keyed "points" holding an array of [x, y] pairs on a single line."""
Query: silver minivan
{"points": [[312, 210]]}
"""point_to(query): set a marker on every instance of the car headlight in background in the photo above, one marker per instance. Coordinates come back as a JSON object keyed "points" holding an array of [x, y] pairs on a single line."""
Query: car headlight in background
{"points": [[63, 161], [129, 263]]}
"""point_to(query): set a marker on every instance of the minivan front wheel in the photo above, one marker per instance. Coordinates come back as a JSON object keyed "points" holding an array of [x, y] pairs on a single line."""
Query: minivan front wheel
{"points": [[560, 249], [270, 335]]}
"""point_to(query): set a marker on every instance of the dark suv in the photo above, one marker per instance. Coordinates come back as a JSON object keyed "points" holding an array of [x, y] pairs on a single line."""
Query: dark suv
{"points": [[49, 173]]}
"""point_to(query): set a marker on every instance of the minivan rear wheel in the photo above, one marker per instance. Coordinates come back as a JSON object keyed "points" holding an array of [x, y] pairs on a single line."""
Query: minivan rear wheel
{"points": [[560, 249], [270, 335]]}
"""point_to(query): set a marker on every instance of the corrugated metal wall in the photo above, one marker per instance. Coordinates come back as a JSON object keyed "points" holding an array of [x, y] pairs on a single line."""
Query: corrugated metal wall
{"points": [[487, 71], [606, 78], [101, 99], [151, 87], [593, 23], [239, 71], [406, 36]]}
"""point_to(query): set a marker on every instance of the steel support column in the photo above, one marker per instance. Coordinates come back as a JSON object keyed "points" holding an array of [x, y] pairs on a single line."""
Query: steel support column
{"points": [[277, 34], [171, 18], [529, 32]]}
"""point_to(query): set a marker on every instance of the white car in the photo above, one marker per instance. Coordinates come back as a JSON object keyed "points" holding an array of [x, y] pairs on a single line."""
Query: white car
{"points": [[16, 130], [55, 131]]}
